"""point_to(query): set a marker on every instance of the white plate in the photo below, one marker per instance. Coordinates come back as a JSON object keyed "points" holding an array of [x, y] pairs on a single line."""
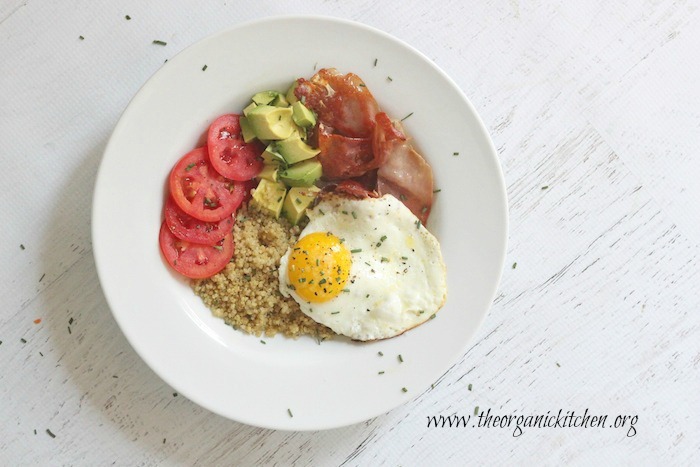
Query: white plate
{"points": [[233, 374]]}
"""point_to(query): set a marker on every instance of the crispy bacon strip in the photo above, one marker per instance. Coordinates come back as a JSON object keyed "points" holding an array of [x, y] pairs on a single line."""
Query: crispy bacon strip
{"points": [[404, 173], [355, 189], [342, 157], [340, 101]]}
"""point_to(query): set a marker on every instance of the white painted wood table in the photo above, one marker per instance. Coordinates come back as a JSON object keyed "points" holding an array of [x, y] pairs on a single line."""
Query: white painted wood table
{"points": [[595, 111]]}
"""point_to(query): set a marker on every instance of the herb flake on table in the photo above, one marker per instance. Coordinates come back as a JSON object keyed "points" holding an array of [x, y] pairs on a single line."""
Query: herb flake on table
{"points": [[406, 116], [159, 42], [204, 68], [81, 38], [289, 411], [400, 358], [375, 62], [21, 246], [545, 187], [404, 389], [388, 78], [50, 433], [455, 153], [127, 17], [469, 388], [476, 410], [23, 340], [515, 265]]}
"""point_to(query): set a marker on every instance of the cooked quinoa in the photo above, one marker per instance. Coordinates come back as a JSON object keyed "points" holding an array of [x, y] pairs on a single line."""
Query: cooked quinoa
{"points": [[246, 293]]}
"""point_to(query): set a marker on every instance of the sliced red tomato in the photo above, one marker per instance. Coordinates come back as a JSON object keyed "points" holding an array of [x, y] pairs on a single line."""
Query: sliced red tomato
{"points": [[186, 227], [194, 260], [229, 154], [202, 192]]}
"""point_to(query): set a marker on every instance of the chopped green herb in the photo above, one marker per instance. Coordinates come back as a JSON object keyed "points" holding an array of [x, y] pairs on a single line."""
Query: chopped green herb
{"points": [[21, 247], [289, 411], [417, 224], [127, 17], [515, 265], [335, 312], [344, 212], [346, 290], [423, 209], [321, 212], [218, 247], [189, 167], [174, 394], [545, 187], [380, 353], [400, 358], [384, 260], [81, 38], [558, 364], [476, 410], [382, 238], [354, 216], [404, 390], [50, 433], [42, 277], [375, 62], [204, 68], [356, 250], [246, 277], [455, 154], [388, 78], [381, 373], [322, 281], [157, 42], [404, 258], [437, 191], [402, 197], [432, 316], [469, 387], [23, 340], [406, 116], [262, 341], [362, 85]]}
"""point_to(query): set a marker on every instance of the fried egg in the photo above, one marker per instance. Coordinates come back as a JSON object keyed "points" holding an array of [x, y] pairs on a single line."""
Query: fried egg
{"points": [[366, 268]]}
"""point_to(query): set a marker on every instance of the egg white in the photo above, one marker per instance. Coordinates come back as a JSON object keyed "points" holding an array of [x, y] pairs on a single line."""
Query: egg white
{"points": [[397, 279]]}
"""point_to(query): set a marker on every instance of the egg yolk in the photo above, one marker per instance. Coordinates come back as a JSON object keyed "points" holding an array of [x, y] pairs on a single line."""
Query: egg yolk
{"points": [[319, 266]]}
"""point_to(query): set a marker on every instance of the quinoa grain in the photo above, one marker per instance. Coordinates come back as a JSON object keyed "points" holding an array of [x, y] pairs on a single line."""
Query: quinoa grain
{"points": [[246, 293]]}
